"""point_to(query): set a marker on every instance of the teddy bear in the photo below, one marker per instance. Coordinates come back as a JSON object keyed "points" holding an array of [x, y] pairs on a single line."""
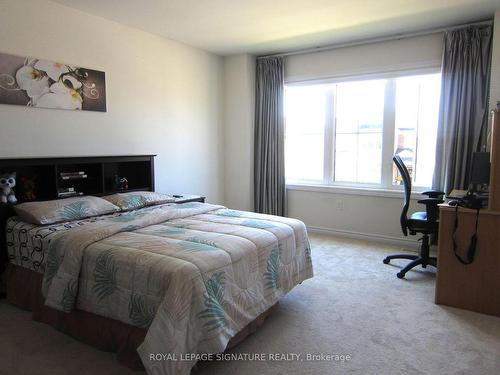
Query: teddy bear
{"points": [[7, 183]]}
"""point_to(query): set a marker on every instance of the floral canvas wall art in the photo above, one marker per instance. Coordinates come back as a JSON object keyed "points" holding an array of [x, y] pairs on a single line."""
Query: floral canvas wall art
{"points": [[41, 83]]}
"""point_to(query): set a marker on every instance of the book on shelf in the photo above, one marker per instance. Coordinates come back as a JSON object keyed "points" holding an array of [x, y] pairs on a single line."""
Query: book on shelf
{"points": [[63, 174], [69, 194], [66, 190], [74, 177]]}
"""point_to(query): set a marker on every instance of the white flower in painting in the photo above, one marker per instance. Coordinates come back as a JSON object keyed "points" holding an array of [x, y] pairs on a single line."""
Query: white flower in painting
{"points": [[33, 82], [53, 69], [71, 82], [62, 96]]}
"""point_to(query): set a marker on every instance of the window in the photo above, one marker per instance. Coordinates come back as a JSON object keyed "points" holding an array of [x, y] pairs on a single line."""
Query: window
{"points": [[346, 133], [417, 109], [304, 144], [358, 133]]}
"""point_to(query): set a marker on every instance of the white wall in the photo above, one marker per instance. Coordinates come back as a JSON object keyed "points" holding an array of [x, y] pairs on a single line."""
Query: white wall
{"points": [[239, 97], [396, 55], [357, 215], [163, 97]]}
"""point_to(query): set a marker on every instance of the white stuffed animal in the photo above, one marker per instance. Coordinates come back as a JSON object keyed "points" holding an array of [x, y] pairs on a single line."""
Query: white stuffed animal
{"points": [[7, 183]]}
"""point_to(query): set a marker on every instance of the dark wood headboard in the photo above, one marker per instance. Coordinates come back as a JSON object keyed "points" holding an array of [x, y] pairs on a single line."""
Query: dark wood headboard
{"points": [[39, 179], [45, 178]]}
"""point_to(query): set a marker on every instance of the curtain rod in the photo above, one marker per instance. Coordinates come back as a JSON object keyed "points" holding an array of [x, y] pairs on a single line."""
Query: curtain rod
{"points": [[380, 39]]}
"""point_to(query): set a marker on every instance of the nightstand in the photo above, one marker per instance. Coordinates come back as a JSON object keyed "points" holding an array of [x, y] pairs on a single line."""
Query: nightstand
{"points": [[188, 198]]}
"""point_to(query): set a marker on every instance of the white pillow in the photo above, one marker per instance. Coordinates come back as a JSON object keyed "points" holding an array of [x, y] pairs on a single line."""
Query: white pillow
{"points": [[138, 199], [69, 209]]}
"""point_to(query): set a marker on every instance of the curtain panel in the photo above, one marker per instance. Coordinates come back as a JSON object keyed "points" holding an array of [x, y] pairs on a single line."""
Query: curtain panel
{"points": [[463, 114], [269, 173]]}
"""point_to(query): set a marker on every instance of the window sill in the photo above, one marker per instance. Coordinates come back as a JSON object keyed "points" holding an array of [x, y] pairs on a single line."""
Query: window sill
{"points": [[349, 190]]}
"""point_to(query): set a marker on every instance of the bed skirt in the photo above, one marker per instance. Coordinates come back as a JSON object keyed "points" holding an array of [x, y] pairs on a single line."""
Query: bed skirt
{"points": [[24, 291]]}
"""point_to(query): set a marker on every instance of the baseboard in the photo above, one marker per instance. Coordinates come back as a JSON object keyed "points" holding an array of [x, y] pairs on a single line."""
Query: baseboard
{"points": [[409, 244]]}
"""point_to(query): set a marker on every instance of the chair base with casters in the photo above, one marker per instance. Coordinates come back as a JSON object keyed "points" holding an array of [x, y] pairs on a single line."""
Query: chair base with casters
{"points": [[425, 223], [423, 259]]}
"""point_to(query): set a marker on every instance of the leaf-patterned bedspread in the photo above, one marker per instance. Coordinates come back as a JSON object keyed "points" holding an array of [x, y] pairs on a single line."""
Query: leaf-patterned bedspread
{"points": [[195, 274]]}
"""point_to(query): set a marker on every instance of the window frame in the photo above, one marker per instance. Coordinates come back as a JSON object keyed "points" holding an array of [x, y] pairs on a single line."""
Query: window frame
{"points": [[388, 135]]}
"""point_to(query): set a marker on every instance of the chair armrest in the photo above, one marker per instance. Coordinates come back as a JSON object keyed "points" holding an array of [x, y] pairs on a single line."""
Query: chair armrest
{"points": [[431, 206], [433, 193]]}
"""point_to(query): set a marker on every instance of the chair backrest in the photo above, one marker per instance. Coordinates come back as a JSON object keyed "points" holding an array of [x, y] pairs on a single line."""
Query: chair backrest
{"points": [[405, 175]]}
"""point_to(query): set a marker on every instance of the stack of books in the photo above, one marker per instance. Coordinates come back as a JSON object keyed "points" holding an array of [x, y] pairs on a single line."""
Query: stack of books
{"points": [[73, 175], [67, 192]]}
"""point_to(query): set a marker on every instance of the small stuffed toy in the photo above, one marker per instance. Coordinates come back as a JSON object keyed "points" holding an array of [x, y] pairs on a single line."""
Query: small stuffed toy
{"points": [[121, 183], [7, 183]]}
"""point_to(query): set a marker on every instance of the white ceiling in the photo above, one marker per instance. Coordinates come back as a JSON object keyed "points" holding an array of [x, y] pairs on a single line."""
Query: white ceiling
{"points": [[263, 26]]}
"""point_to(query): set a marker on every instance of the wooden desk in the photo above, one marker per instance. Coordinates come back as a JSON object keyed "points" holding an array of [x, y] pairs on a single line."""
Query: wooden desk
{"points": [[475, 286]]}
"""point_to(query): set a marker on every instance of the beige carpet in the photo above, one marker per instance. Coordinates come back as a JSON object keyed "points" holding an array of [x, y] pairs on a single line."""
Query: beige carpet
{"points": [[354, 306]]}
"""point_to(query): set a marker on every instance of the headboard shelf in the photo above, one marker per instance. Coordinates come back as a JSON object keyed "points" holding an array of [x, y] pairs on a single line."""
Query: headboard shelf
{"points": [[60, 177]]}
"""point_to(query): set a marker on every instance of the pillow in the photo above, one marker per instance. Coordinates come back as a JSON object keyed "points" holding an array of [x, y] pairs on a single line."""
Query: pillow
{"points": [[69, 209], [138, 199]]}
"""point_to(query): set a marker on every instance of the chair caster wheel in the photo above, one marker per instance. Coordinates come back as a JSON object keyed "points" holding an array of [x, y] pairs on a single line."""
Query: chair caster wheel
{"points": [[386, 261], [400, 275]]}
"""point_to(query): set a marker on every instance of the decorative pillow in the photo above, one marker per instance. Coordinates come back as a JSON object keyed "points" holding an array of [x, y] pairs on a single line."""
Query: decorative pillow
{"points": [[138, 199], [69, 209]]}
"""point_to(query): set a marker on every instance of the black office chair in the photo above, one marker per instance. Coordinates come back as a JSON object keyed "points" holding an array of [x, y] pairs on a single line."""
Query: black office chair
{"points": [[419, 222]]}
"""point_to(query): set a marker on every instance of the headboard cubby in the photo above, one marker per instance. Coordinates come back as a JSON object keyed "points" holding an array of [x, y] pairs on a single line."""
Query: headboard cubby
{"points": [[54, 178]]}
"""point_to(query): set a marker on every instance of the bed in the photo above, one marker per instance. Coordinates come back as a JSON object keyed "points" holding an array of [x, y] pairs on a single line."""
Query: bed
{"points": [[176, 279]]}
